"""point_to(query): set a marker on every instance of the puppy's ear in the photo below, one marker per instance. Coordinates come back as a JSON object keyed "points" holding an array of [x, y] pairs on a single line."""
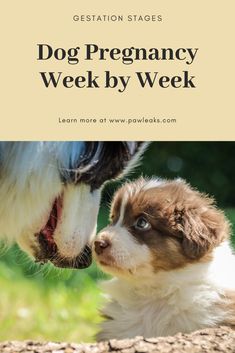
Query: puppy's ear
{"points": [[200, 229]]}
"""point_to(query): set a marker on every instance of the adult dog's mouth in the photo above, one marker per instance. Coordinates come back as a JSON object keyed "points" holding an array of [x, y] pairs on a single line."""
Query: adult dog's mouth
{"points": [[48, 249]]}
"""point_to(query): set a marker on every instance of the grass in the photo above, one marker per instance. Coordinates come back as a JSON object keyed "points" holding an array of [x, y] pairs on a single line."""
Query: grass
{"points": [[48, 304], [30, 308]]}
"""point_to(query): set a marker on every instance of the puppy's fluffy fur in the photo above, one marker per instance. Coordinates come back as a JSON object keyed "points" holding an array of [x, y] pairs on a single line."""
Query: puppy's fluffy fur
{"points": [[168, 248]]}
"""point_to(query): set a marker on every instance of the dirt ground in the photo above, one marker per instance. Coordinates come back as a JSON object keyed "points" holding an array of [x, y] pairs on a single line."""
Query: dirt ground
{"points": [[209, 340]]}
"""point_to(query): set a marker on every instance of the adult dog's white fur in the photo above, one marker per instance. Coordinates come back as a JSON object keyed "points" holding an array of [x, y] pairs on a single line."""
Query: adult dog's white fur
{"points": [[34, 174], [176, 276]]}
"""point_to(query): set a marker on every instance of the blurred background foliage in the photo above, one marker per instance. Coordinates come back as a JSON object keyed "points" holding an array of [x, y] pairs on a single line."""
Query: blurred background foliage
{"points": [[208, 166], [45, 303]]}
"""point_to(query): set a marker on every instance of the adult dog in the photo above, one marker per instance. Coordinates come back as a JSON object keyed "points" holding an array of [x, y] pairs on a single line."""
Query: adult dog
{"points": [[50, 195]]}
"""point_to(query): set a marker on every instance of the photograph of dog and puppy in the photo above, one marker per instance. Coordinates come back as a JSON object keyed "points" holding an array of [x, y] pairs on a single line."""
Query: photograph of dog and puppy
{"points": [[116, 239]]}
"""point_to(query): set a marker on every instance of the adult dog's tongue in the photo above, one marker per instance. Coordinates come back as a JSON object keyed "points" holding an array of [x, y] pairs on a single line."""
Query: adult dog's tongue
{"points": [[49, 229]]}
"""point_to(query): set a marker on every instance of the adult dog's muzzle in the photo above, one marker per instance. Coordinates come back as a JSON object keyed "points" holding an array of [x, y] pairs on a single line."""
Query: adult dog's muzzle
{"points": [[50, 253], [48, 250]]}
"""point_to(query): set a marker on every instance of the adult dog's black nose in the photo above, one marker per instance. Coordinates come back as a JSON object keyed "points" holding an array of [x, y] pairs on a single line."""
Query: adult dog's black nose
{"points": [[101, 245]]}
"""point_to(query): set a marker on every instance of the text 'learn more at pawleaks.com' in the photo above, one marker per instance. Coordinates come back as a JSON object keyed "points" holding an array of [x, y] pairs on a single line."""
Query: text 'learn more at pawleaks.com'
{"points": [[117, 120]]}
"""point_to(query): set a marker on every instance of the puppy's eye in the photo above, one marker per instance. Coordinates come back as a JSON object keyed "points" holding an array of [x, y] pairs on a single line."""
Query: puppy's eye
{"points": [[142, 224]]}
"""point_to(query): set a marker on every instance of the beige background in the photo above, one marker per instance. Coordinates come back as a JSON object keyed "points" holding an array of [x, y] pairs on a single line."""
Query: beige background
{"points": [[30, 111]]}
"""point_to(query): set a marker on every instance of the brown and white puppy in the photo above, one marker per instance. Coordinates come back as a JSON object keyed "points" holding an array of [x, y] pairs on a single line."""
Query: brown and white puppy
{"points": [[168, 247]]}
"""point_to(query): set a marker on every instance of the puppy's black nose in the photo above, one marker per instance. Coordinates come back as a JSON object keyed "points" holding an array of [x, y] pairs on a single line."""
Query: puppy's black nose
{"points": [[101, 245]]}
